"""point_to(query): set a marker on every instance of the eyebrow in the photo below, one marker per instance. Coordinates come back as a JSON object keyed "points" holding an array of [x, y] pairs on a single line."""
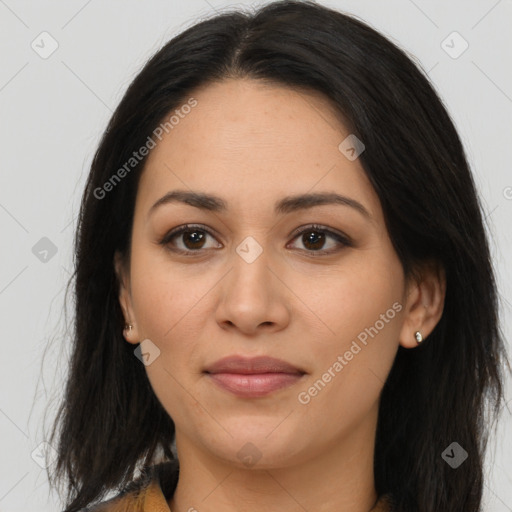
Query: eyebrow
{"points": [[288, 204]]}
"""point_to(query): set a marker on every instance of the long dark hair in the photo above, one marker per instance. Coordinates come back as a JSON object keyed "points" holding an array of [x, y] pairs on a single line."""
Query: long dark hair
{"points": [[111, 425]]}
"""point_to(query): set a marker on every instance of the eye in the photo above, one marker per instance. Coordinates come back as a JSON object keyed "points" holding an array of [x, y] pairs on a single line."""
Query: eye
{"points": [[314, 237], [189, 239]]}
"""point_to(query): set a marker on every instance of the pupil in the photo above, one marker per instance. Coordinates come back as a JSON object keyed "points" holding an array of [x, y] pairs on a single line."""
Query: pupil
{"points": [[195, 238], [314, 238]]}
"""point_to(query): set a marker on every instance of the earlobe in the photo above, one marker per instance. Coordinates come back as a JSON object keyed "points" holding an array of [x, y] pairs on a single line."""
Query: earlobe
{"points": [[129, 331], [424, 304]]}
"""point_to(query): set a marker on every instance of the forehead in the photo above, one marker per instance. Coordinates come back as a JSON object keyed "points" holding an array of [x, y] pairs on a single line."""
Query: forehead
{"points": [[249, 141]]}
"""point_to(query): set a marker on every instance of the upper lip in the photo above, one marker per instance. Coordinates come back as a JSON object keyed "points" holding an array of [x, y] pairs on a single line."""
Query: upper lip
{"points": [[252, 365]]}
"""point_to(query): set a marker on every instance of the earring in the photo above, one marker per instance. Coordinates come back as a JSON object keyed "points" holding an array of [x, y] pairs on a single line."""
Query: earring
{"points": [[128, 327], [418, 336]]}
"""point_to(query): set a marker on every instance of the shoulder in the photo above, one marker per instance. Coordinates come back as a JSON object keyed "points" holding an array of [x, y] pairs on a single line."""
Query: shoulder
{"points": [[159, 480]]}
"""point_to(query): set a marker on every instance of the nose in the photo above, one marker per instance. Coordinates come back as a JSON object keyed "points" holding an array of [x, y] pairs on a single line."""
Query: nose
{"points": [[252, 298]]}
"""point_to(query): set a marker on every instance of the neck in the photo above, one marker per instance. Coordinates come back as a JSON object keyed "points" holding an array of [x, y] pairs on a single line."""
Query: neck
{"points": [[338, 478]]}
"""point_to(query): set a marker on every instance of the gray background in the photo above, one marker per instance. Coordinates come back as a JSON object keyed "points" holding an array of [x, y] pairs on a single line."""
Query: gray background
{"points": [[54, 109]]}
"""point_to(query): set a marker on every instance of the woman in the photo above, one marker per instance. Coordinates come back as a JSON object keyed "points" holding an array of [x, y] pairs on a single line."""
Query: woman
{"points": [[281, 266]]}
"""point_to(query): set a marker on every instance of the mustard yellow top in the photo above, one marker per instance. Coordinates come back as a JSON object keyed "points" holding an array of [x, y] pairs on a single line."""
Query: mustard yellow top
{"points": [[152, 491]]}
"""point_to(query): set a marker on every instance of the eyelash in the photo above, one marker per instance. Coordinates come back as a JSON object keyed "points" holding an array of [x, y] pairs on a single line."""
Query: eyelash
{"points": [[341, 239]]}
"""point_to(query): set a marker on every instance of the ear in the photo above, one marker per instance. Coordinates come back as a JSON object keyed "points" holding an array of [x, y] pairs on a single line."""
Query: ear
{"points": [[424, 303], [125, 299]]}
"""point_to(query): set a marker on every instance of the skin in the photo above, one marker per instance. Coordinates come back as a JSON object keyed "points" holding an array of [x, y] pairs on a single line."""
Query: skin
{"points": [[253, 144]]}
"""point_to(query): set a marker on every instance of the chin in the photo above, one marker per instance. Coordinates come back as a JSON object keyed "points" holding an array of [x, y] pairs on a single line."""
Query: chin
{"points": [[258, 450]]}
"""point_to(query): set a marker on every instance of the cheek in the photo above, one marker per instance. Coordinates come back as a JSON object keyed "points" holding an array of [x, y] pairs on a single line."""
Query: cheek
{"points": [[171, 308], [362, 307], [164, 298], [363, 310], [356, 297], [168, 309]]}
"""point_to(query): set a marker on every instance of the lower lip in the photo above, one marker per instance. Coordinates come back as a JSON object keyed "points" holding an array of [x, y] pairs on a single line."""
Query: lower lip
{"points": [[254, 385]]}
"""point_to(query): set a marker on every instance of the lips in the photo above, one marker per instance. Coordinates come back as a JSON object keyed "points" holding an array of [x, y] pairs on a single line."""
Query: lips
{"points": [[253, 377], [252, 365]]}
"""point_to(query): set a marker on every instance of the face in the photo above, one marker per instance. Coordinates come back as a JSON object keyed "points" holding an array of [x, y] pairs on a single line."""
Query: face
{"points": [[258, 272]]}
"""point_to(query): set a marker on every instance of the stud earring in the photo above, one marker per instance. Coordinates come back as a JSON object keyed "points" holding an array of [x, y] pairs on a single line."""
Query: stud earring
{"points": [[418, 336], [128, 327]]}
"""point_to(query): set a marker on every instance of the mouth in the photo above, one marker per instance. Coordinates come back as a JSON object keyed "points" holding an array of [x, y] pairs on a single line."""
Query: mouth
{"points": [[253, 377]]}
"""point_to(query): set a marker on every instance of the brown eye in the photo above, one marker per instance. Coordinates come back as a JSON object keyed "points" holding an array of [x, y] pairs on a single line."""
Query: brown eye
{"points": [[193, 239], [188, 239], [314, 239]]}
